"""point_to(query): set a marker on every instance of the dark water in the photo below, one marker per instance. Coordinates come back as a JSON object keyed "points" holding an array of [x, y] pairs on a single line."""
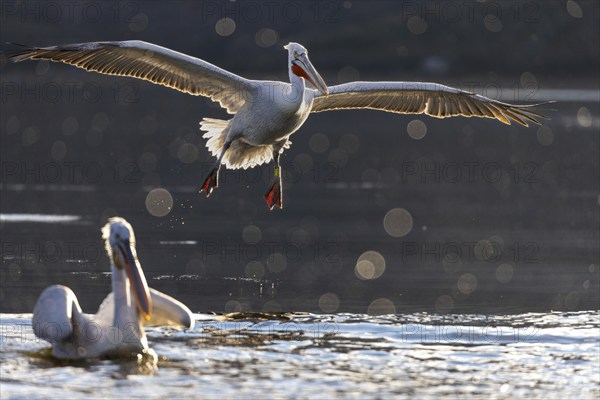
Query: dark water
{"points": [[549, 356], [386, 226]]}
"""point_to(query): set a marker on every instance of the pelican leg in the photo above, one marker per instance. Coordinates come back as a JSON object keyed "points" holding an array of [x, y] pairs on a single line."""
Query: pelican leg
{"points": [[273, 196], [212, 180]]}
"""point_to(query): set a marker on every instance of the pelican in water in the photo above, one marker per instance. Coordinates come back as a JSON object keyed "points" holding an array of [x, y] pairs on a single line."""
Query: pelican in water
{"points": [[268, 112], [117, 329]]}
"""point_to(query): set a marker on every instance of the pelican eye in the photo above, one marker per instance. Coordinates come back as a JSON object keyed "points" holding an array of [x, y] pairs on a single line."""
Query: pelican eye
{"points": [[296, 53]]}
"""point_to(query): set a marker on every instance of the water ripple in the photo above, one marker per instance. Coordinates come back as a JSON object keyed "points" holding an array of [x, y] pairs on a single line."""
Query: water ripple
{"points": [[290, 355]]}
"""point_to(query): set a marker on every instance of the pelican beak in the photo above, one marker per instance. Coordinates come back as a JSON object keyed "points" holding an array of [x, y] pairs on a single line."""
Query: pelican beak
{"points": [[137, 280], [302, 67]]}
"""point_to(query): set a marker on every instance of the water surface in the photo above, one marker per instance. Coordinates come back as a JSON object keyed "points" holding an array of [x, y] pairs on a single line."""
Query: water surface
{"points": [[553, 355]]}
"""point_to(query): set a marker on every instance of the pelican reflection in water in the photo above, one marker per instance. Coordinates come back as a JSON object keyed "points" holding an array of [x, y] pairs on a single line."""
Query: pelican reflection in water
{"points": [[117, 329], [268, 112]]}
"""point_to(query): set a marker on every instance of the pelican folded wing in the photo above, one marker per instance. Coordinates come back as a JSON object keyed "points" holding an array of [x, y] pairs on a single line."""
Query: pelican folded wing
{"points": [[55, 313]]}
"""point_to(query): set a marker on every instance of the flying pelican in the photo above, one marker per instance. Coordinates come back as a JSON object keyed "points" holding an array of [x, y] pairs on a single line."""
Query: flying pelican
{"points": [[268, 112], [117, 329]]}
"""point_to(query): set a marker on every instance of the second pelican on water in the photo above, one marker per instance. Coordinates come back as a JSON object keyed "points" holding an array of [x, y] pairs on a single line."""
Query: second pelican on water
{"points": [[117, 329], [268, 112]]}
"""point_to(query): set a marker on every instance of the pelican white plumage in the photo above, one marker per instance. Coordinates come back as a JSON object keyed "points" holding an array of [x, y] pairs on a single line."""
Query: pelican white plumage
{"points": [[117, 329], [268, 112]]}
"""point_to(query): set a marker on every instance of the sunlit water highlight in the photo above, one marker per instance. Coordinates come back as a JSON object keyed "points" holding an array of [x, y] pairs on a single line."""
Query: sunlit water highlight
{"points": [[555, 355], [39, 218]]}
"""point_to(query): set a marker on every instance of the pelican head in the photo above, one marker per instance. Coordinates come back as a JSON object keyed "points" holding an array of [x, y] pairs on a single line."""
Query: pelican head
{"points": [[120, 245], [301, 66]]}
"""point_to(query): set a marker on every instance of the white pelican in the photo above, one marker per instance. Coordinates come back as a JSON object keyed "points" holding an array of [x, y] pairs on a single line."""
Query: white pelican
{"points": [[118, 327], [267, 112]]}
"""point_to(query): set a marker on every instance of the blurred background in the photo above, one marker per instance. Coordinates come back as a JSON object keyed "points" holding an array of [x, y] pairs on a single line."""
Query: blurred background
{"points": [[383, 213]]}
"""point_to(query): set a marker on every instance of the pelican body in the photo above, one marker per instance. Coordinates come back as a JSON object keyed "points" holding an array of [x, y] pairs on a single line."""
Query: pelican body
{"points": [[267, 113], [117, 329]]}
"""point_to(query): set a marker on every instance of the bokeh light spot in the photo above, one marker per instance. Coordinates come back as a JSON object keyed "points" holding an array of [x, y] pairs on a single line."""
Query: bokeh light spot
{"points": [[276, 262], [586, 284], [370, 265], [303, 162], [14, 271], [572, 300], [196, 267], [139, 22], [338, 157], [487, 250], [329, 302], [42, 67], [58, 151], [452, 263], [159, 202], [349, 143], [504, 273], [444, 304], [30, 135], [545, 136], [251, 234], [266, 37], [271, 306], [574, 9], [370, 175], [187, 153], [416, 25], [254, 270], [397, 222], [233, 306], [381, 306], [225, 26], [467, 283], [492, 23], [416, 129], [528, 80], [584, 117], [365, 269]]}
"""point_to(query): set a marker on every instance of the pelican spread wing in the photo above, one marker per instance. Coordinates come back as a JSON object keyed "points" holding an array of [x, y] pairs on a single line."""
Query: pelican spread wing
{"points": [[166, 311], [262, 125], [422, 98], [150, 62]]}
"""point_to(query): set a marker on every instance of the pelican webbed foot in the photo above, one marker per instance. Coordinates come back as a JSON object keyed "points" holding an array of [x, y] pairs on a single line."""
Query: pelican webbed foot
{"points": [[273, 196], [211, 182]]}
